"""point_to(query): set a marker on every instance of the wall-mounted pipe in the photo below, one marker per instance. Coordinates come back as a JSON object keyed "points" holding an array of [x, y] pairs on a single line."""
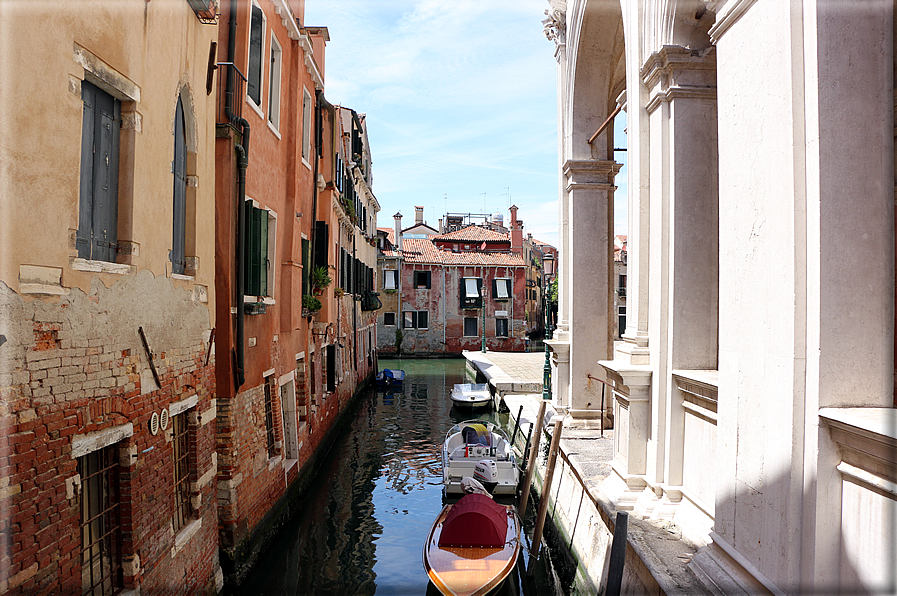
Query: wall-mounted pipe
{"points": [[242, 151]]}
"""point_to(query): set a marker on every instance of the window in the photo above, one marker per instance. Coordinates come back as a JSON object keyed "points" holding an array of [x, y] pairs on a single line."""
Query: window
{"points": [[179, 216], [390, 279], [256, 40], [269, 415], [501, 288], [290, 425], [97, 236], [258, 252], [422, 279], [471, 292], [306, 126], [180, 454], [274, 84], [101, 570], [389, 319], [416, 319], [331, 367], [470, 327], [501, 328]]}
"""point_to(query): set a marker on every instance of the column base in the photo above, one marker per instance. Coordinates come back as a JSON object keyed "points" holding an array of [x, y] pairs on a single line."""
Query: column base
{"points": [[622, 489], [724, 571]]}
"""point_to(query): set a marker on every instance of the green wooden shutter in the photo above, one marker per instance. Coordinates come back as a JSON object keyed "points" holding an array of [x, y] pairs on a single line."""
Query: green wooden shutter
{"points": [[306, 263]]}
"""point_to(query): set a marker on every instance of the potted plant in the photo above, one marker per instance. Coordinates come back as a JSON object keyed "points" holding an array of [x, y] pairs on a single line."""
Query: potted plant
{"points": [[339, 292], [310, 305], [320, 279]]}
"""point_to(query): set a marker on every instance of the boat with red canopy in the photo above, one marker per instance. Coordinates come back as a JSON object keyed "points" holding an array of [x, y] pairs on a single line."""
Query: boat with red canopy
{"points": [[472, 546]]}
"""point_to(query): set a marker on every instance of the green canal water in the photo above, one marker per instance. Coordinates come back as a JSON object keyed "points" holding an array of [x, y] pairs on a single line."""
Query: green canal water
{"points": [[362, 528]]}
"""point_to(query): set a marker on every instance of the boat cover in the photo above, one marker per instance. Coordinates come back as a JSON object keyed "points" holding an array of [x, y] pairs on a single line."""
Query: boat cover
{"points": [[475, 521], [476, 434]]}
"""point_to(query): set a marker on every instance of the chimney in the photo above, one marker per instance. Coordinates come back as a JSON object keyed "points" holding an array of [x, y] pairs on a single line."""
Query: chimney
{"points": [[516, 232], [441, 231], [418, 215], [398, 238]]}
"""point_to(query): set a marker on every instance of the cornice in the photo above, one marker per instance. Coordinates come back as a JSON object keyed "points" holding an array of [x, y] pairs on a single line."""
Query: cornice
{"points": [[591, 174], [285, 13], [730, 16], [661, 97]]}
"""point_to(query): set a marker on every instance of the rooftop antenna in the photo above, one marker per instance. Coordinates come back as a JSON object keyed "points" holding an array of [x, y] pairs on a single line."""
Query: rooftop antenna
{"points": [[508, 189]]}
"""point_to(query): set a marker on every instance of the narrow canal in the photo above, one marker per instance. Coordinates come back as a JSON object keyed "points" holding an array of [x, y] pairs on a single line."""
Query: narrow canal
{"points": [[361, 530]]}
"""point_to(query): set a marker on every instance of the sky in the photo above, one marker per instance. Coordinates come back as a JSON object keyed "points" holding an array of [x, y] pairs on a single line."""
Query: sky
{"points": [[461, 104]]}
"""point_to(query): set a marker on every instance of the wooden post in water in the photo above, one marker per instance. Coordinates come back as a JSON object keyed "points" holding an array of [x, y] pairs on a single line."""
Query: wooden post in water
{"points": [[617, 554], [546, 489], [531, 465]]}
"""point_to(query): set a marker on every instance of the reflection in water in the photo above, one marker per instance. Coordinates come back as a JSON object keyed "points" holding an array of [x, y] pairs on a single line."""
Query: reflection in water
{"points": [[362, 528]]}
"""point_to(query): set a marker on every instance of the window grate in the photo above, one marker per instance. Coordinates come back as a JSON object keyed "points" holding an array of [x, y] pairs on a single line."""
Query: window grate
{"points": [[181, 453], [101, 568]]}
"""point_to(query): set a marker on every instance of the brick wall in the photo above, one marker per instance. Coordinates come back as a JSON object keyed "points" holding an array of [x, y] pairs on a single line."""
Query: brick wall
{"points": [[75, 377]]}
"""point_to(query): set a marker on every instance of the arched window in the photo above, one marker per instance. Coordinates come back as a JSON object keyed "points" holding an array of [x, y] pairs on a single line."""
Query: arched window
{"points": [[179, 212]]}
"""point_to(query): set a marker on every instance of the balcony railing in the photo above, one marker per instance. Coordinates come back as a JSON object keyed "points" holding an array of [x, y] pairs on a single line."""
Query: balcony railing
{"points": [[230, 101], [206, 10]]}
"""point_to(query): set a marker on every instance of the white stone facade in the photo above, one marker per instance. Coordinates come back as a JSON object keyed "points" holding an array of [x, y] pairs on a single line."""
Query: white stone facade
{"points": [[754, 386]]}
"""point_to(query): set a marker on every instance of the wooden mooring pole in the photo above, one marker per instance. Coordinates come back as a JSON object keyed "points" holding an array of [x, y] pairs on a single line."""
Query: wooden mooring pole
{"points": [[531, 464], [546, 489], [617, 555]]}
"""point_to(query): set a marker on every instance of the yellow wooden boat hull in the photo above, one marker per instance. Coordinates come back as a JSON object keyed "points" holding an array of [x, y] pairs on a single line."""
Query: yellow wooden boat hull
{"points": [[470, 571]]}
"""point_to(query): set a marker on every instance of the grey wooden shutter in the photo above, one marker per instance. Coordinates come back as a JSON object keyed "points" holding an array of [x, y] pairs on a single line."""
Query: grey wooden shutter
{"points": [[97, 234], [85, 204], [179, 215]]}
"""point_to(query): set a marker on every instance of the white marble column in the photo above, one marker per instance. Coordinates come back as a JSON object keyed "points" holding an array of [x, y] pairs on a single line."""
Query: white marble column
{"points": [[590, 190]]}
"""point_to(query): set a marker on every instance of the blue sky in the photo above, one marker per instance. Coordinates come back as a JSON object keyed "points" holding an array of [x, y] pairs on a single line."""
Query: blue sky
{"points": [[460, 99]]}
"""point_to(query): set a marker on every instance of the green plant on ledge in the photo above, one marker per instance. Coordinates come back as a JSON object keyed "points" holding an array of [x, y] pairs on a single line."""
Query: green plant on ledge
{"points": [[320, 279], [311, 303], [339, 292]]}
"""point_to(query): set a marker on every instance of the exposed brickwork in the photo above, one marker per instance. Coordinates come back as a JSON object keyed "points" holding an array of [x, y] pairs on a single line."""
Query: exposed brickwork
{"points": [[65, 377]]}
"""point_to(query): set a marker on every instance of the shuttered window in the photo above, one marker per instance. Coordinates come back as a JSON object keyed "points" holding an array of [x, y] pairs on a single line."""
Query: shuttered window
{"points": [[331, 367], [471, 292], [97, 234], [306, 264], [258, 251], [422, 279], [179, 212], [389, 319], [256, 41], [501, 288]]}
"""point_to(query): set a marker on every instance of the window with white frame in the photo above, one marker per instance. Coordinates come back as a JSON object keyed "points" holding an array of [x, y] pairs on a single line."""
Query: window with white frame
{"points": [[501, 328], [256, 51], [471, 292], [306, 126], [470, 327], [274, 84], [416, 319], [502, 288], [258, 251], [390, 279]]}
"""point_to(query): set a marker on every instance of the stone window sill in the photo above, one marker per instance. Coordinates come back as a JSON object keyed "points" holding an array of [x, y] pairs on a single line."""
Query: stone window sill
{"points": [[184, 536]]}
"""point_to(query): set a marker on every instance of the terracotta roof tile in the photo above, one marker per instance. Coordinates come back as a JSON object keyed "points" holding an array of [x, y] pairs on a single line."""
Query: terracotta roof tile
{"points": [[423, 251], [474, 234]]}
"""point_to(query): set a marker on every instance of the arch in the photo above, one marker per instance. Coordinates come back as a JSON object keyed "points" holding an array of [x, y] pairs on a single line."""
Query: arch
{"points": [[596, 49], [184, 130]]}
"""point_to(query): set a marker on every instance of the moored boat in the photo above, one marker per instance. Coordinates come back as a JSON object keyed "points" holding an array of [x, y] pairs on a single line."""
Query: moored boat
{"points": [[471, 395], [390, 377], [481, 450], [472, 546]]}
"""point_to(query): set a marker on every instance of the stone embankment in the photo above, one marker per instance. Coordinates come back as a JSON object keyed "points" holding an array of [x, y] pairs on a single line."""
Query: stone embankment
{"points": [[656, 553]]}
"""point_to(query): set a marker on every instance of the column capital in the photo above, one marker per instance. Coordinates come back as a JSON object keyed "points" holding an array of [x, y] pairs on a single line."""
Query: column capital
{"points": [[676, 72], [555, 25], [595, 174]]}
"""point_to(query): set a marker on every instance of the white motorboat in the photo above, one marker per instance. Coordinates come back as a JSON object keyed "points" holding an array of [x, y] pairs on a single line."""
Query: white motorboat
{"points": [[471, 395], [481, 450]]}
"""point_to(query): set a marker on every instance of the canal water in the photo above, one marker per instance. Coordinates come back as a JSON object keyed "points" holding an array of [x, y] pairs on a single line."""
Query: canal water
{"points": [[362, 528]]}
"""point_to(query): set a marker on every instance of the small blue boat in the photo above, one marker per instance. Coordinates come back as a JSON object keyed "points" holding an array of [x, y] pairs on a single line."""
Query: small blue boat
{"points": [[390, 377]]}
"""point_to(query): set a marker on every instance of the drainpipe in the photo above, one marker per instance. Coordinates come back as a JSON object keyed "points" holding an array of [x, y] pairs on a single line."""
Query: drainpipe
{"points": [[242, 150], [444, 303], [355, 307]]}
